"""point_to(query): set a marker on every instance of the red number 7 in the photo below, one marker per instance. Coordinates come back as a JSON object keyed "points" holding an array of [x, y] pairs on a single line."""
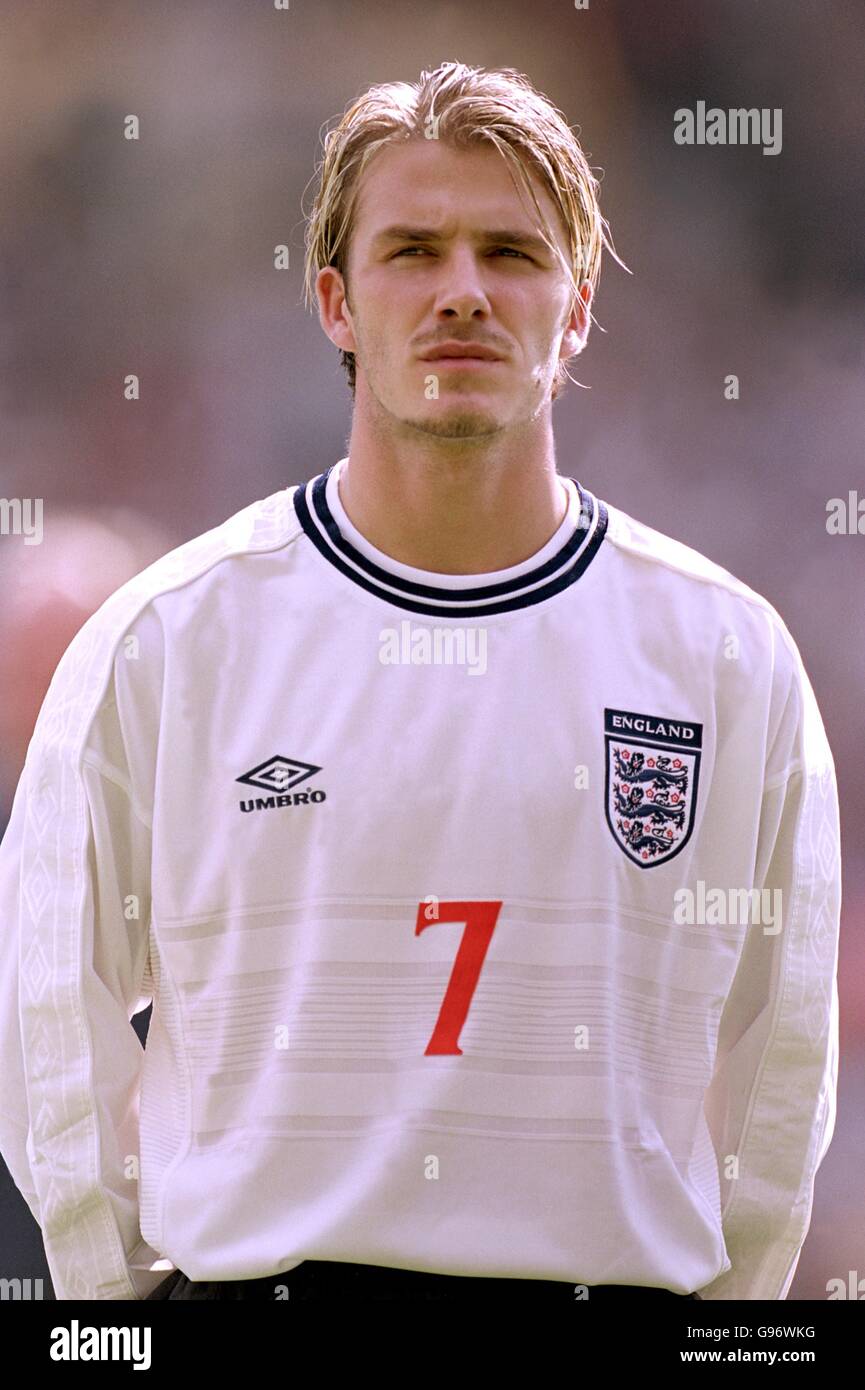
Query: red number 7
{"points": [[480, 919]]}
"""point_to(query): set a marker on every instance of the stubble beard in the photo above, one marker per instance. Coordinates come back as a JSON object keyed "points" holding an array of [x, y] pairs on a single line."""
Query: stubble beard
{"points": [[454, 421], [457, 423]]}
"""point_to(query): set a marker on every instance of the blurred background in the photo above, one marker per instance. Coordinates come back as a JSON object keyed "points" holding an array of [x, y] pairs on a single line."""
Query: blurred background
{"points": [[156, 257]]}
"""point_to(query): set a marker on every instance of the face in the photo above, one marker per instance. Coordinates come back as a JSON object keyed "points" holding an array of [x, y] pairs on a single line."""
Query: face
{"points": [[443, 251]]}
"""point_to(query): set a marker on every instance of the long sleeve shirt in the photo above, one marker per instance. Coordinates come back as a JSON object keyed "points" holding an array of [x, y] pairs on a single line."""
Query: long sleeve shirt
{"points": [[490, 921]]}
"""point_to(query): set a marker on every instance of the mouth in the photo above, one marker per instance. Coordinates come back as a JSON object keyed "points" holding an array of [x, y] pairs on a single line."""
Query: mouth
{"points": [[454, 353], [463, 360]]}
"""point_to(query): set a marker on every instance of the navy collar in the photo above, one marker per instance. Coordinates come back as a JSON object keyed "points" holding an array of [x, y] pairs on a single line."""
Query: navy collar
{"points": [[530, 587]]}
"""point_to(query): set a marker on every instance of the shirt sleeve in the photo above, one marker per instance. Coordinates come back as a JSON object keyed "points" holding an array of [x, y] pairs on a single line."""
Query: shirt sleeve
{"points": [[771, 1103], [74, 969]]}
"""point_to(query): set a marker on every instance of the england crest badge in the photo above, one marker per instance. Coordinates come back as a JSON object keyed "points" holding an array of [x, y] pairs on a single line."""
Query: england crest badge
{"points": [[652, 774]]}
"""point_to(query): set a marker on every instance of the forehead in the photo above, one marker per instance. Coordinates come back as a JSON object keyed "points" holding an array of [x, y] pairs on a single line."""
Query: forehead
{"points": [[428, 183]]}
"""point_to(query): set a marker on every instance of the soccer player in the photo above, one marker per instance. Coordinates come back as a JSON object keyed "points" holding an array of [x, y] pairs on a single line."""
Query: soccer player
{"points": [[476, 844]]}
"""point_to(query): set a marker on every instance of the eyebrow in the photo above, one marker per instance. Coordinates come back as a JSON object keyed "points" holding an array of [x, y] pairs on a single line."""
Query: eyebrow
{"points": [[509, 236]]}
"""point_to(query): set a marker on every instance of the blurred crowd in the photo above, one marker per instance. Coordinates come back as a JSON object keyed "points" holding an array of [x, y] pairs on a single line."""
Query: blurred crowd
{"points": [[155, 256]]}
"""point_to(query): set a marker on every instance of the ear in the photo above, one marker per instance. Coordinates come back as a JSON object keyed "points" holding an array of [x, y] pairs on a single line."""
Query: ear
{"points": [[333, 311], [577, 328]]}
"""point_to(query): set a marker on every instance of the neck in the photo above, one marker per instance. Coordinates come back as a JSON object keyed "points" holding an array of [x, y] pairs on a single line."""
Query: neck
{"points": [[453, 506]]}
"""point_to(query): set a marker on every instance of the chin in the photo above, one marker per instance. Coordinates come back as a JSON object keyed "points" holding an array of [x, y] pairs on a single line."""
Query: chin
{"points": [[458, 422]]}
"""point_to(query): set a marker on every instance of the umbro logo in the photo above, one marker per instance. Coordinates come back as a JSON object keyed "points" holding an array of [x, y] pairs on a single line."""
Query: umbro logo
{"points": [[280, 775]]}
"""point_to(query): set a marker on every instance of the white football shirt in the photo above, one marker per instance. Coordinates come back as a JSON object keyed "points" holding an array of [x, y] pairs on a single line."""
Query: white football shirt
{"points": [[490, 921]]}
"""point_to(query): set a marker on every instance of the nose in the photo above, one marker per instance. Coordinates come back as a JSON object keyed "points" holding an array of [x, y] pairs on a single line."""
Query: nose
{"points": [[461, 291]]}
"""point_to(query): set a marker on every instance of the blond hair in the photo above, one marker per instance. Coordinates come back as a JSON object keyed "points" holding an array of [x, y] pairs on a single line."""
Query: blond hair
{"points": [[463, 106]]}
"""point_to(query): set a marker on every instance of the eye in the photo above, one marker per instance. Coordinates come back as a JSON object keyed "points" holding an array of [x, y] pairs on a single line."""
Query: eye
{"points": [[511, 249]]}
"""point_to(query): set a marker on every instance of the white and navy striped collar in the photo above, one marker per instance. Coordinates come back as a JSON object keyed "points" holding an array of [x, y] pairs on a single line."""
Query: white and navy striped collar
{"points": [[558, 564]]}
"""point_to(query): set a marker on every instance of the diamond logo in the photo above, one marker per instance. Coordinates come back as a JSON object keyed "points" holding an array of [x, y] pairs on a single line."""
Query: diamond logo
{"points": [[278, 774]]}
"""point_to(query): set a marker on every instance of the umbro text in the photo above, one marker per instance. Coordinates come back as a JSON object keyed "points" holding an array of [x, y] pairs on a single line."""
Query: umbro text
{"points": [[269, 803]]}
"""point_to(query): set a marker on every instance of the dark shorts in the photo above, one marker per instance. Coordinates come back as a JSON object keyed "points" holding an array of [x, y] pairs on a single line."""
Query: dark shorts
{"points": [[327, 1279]]}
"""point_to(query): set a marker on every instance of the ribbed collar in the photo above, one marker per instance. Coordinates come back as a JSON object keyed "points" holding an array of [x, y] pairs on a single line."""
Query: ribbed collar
{"points": [[557, 564]]}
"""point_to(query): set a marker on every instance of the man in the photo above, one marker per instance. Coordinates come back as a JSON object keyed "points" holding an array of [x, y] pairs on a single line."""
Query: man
{"points": [[476, 844]]}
